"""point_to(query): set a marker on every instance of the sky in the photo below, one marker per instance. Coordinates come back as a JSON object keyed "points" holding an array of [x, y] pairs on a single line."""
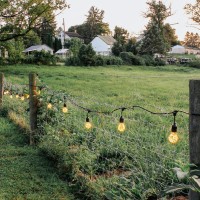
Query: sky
{"points": [[127, 14]]}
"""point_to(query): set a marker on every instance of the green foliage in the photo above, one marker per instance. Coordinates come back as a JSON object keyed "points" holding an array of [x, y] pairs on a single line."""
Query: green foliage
{"points": [[31, 38], [154, 40], [72, 61], [74, 46], [131, 59], [194, 64], [102, 163], [86, 55], [40, 57], [117, 48], [121, 35]]}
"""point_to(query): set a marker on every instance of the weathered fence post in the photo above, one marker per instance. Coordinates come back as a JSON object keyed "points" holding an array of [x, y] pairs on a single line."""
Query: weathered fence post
{"points": [[1, 88], [194, 130], [33, 106]]}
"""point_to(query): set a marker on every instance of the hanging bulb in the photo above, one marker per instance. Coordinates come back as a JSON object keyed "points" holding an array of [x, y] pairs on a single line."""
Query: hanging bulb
{"points": [[39, 92], [6, 92], [49, 106], [17, 96], [173, 137], [22, 98], [88, 124], [27, 96], [64, 109], [121, 126], [11, 96]]}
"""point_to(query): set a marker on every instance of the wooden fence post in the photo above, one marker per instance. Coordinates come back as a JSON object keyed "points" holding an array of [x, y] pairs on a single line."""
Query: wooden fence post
{"points": [[194, 130], [33, 106], [1, 89]]}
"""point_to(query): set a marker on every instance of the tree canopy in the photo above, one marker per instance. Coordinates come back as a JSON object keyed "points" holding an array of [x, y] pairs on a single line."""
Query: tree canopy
{"points": [[154, 40], [194, 11], [18, 17]]}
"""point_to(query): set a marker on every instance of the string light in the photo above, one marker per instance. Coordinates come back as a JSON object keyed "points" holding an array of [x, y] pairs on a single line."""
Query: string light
{"points": [[173, 138], [88, 124], [49, 106], [121, 126], [65, 109], [22, 97], [11, 96], [17, 95]]}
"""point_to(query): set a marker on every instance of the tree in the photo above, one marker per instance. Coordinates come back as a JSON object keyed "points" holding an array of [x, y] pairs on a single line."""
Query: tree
{"points": [[117, 48], [57, 44], [154, 40], [86, 55], [18, 17], [131, 45], [31, 38], [74, 46], [192, 40], [170, 35], [94, 24], [121, 35], [194, 11]]}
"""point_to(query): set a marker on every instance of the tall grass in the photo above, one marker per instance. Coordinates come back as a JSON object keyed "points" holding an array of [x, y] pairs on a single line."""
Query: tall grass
{"points": [[103, 163]]}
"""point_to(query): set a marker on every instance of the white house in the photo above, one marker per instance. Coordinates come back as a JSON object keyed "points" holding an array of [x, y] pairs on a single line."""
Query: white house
{"points": [[178, 49], [62, 53], [103, 44], [64, 35], [43, 47]]}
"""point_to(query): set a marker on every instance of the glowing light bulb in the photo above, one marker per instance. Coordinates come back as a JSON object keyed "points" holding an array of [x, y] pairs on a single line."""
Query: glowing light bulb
{"points": [[88, 124], [27, 96], [6, 92], [17, 96], [121, 127], [11, 96], [49, 106], [64, 109], [22, 98], [39, 92], [173, 137]]}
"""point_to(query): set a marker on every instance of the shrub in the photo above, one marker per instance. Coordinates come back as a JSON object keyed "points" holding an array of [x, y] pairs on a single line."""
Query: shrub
{"points": [[113, 60], [195, 64], [86, 55], [137, 60], [149, 60], [159, 62], [72, 61], [40, 57], [127, 57], [99, 60]]}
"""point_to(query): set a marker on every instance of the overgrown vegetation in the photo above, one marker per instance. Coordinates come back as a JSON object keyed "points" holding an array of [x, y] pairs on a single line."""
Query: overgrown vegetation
{"points": [[103, 163]]}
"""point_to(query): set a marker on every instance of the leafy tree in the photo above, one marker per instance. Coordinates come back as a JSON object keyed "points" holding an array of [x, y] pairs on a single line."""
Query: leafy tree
{"points": [[31, 38], [131, 45], [194, 11], [86, 55], [121, 35], [22, 16], [154, 40], [74, 46], [170, 35], [117, 48], [57, 44], [192, 40]]}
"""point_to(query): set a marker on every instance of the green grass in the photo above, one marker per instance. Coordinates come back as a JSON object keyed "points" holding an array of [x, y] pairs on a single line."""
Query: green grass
{"points": [[142, 150], [24, 173]]}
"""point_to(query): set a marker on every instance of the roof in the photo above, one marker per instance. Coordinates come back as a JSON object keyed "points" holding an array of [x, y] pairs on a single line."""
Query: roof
{"points": [[61, 51], [107, 39], [179, 46], [73, 34], [193, 48], [38, 48]]}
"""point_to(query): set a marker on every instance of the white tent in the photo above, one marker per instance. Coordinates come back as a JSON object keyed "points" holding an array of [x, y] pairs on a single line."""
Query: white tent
{"points": [[178, 49]]}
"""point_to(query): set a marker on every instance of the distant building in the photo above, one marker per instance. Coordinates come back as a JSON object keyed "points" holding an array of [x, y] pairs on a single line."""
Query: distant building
{"points": [[65, 35], [178, 49], [43, 47], [102, 44], [62, 53], [192, 50]]}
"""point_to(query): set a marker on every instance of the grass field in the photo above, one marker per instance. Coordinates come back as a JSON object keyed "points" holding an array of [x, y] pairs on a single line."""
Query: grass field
{"points": [[25, 174], [106, 164]]}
